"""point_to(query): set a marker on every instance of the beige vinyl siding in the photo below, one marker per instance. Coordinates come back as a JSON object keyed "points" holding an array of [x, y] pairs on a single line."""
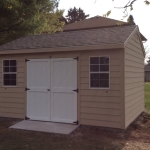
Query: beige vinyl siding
{"points": [[102, 107], [97, 107], [134, 79], [12, 99]]}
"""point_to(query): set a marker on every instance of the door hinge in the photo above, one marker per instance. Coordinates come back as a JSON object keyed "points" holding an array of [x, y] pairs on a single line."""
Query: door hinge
{"points": [[27, 60], [76, 122], [26, 118], [26, 89], [76, 90], [77, 58]]}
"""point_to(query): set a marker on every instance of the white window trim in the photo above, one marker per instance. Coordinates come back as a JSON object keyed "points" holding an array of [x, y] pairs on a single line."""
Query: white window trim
{"points": [[7, 86], [99, 72]]}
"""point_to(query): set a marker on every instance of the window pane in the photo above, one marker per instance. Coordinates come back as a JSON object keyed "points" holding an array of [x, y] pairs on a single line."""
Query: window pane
{"points": [[6, 82], [95, 83], [104, 83], [6, 76], [6, 63], [95, 76], [104, 60], [94, 68], [94, 60], [104, 76], [13, 63], [6, 69], [13, 69], [13, 76], [13, 82], [104, 67]]}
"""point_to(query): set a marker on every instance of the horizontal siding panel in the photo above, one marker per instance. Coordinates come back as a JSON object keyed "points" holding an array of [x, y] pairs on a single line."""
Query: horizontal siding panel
{"points": [[12, 115], [84, 80], [99, 92], [115, 74], [134, 74], [14, 90], [100, 99], [12, 105], [134, 115], [12, 95], [101, 111], [134, 85], [133, 58], [101, 123], [136, 47], [134, 90], [133, 51], [134, 101], [134, 69], [12, 100], [100, 105], [134, 95], [100, 117], [112, 87], [134, 64], [84, 74], [133, 107], [11, 110], [114, 68], [133, 80]]}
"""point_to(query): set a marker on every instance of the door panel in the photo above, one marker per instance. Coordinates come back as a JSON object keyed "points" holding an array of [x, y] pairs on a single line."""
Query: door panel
{"points": [[63, 82], [38, 83]]}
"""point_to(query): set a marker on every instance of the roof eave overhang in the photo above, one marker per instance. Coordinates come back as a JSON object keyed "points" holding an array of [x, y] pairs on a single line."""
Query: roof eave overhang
{"points": [[63, 49]]}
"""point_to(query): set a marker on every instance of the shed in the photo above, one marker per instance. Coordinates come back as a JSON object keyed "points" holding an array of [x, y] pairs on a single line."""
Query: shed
{"points": [[147, 73], [90, 77]]}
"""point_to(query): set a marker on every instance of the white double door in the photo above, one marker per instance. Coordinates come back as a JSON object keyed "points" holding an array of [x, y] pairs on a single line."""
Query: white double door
{"points": [[50, 90]]}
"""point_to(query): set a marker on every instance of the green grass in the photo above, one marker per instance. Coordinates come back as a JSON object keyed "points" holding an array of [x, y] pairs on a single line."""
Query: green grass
{"points": [[147, 95]]}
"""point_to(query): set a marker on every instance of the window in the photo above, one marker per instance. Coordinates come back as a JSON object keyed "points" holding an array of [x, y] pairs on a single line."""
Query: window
{"points": [[99, 72], [9, 72]]}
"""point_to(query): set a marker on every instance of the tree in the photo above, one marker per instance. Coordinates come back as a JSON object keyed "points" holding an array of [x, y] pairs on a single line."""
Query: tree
{"points": [[131, 20], [75, 15], [129, 4], [22, 17]]}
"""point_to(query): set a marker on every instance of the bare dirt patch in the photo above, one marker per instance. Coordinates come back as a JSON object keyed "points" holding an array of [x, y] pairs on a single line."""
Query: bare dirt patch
{"points": [[136, 137]]}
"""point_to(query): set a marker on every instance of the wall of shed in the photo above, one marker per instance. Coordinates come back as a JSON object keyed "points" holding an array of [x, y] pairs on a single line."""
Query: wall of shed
{"points": [[102, 107], [134, 79], [96, 107]]}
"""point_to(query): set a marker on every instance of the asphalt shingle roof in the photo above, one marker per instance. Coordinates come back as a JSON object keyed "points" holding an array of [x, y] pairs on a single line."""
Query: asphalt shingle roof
{"points": [[113, 35], [94, 22]]}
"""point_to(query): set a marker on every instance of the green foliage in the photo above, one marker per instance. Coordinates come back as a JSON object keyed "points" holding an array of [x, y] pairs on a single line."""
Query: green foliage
{"points": [[22, 17], [75, 15], [147, 96]]}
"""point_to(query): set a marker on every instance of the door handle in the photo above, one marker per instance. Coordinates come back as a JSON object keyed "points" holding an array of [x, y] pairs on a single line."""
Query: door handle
{"points": [[48, 89]]}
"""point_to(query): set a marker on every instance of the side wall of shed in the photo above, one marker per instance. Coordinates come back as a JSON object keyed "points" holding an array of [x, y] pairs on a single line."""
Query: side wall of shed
{"points": [[134, 78]]}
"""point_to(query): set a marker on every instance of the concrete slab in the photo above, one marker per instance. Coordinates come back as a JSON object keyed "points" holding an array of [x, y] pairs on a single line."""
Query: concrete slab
{"points": [[49, 127]]}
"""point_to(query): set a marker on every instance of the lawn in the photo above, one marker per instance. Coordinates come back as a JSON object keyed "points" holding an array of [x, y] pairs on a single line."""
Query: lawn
{"points": [[147, 96], [136, 137]]}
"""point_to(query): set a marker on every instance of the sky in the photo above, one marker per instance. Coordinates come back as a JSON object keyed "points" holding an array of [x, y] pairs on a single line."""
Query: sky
{"points": [[140, 12]]}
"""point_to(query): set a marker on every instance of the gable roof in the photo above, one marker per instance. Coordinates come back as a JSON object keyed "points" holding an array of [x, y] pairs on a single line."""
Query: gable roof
{"points": [[113, 35], [94, 22]]}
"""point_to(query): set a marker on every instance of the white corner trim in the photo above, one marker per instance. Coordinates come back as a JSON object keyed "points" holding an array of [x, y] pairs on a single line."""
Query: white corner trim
{"points": [[130, 35]]}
